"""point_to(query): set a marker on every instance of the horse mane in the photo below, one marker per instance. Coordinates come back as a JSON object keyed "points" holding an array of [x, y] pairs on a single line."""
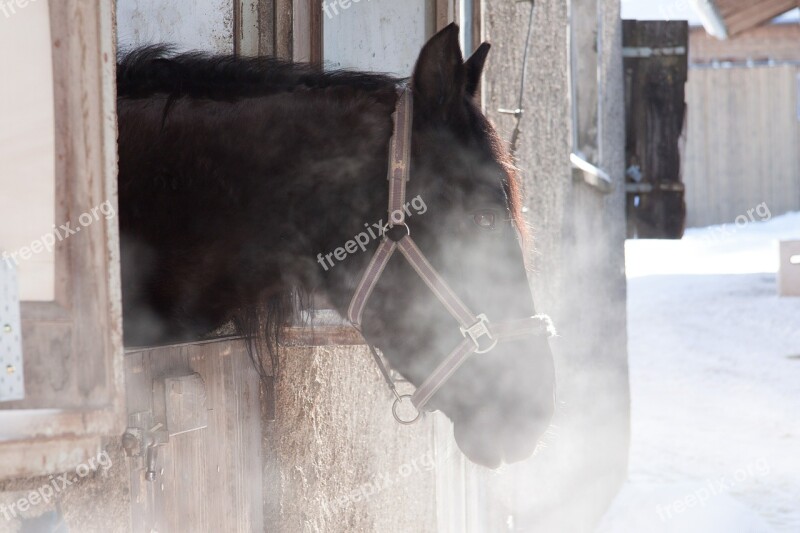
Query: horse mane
{"points": [[154, 69]]}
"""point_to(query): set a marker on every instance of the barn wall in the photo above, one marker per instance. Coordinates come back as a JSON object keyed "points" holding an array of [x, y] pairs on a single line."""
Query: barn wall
{"points": [[372, 35], [578, 274], [196, 25], [742, 138], [341, 463], [98, 502]]}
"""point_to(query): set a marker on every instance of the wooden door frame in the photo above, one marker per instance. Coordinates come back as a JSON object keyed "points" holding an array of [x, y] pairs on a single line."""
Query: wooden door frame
{"points": [[286, 29], [447, 11], [72, 346]]}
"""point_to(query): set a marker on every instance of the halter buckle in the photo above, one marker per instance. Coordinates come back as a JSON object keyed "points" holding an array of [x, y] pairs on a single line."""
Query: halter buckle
{"points": [[477, 330]]}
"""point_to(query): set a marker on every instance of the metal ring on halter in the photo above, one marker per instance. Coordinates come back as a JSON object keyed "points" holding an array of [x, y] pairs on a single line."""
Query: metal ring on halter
{"points": [[397, 417], [390, 226]]}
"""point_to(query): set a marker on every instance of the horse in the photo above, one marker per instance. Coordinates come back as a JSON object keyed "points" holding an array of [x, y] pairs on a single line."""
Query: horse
{"points": [[242, 179]]}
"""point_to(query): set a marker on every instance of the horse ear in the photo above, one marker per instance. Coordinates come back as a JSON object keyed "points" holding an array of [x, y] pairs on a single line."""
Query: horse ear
{"points": [[439, 77], [475, 68]]}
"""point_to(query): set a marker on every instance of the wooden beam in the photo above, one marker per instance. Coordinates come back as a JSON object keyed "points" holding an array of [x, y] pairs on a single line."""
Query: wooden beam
{"points": [[742, 15], [283, 29], [477, 24], [315, 32], [444, 15], [307, 31]]}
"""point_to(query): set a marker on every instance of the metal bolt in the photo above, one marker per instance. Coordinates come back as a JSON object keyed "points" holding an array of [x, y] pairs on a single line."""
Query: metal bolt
{"points": [[150, 464], [10, 369], [130, 443], [7, 328]]}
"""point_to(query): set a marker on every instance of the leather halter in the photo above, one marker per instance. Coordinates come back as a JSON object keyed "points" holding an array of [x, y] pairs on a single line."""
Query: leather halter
{"points": [[480, 335]]}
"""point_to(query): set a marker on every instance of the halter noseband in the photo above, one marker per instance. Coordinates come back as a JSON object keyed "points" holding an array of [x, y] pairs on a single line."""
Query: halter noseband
{"points": [[480, 335]]}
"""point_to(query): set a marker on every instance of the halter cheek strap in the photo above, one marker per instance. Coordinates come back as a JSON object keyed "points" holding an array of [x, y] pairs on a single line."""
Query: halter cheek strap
{"points": [[480, 335]]}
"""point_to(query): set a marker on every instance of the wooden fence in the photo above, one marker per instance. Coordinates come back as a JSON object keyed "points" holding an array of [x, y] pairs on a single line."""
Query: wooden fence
{"points": [[742, 142]]}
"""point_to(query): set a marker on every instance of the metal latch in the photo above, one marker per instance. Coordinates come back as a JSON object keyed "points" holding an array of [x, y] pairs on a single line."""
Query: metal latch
{"points": [[594, 176], [178, 406], [12, 381], [646, 51]]}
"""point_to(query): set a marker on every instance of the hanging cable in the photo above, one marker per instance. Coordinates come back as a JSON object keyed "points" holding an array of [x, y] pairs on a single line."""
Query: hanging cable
{"points": [[519, 111]]}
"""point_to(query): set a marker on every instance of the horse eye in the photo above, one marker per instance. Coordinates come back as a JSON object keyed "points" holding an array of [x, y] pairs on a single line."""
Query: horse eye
{"points": [[484, 219]]}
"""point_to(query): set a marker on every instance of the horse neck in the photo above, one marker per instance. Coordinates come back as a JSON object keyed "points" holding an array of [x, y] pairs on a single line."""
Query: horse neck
{"points": [[331, 152]]}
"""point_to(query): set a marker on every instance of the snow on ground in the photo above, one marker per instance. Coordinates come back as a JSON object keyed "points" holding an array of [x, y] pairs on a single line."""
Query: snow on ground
{"points": [[715, 385]]}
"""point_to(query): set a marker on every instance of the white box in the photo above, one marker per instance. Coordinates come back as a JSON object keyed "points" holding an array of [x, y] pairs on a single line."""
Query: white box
{"points": [[789, 269]]}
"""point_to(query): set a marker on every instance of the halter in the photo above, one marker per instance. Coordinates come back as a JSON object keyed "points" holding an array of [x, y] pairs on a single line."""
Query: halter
{"points": [[480, 335]]}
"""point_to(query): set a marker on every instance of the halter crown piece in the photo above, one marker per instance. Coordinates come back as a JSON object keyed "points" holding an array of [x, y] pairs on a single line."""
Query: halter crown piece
{"points": [[480, 335]]}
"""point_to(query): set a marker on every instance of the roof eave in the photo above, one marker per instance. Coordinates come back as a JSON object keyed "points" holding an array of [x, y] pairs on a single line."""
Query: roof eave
{"points": [[710, 17]]}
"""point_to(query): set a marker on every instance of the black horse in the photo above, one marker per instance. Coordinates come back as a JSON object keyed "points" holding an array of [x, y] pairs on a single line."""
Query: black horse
{"points": [[239, 179]]}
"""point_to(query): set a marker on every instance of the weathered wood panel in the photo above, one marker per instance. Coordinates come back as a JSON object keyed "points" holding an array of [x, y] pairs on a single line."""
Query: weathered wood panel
{"points": [[209, 479], [73, 345], [742, 143], [655, 75], [307, 30]]}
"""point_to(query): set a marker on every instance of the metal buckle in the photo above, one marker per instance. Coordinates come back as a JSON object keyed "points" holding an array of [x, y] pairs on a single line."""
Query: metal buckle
{"points": [[478, 330]]}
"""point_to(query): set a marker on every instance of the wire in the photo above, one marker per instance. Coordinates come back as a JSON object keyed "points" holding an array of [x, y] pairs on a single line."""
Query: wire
{"points": [[523, 82]]}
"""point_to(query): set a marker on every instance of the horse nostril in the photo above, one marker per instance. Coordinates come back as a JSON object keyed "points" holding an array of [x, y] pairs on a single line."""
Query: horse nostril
{"points": [[518, 449], [476, 446], [491, 438]]}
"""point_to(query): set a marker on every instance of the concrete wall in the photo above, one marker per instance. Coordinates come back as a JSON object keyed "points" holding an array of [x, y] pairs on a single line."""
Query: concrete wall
{"points": [[579, 276], [98, 502], [339, 462], [378, 36], [197, 25]]}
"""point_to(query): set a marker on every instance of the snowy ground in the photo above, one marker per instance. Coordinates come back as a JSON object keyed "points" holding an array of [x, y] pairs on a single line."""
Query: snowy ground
{"points": [[715, 385]]}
